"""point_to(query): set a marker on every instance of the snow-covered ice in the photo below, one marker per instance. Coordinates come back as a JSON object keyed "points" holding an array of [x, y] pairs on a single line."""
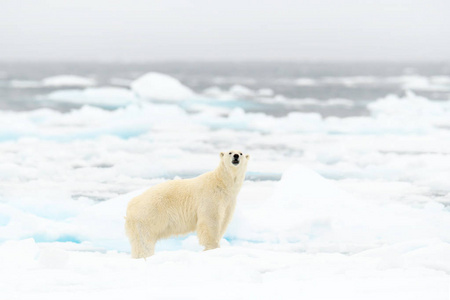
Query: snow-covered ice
{"points": [[332, 208]]}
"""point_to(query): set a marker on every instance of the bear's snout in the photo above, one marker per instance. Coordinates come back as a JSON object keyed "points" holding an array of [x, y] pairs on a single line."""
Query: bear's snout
{"points": [[235, 160]]}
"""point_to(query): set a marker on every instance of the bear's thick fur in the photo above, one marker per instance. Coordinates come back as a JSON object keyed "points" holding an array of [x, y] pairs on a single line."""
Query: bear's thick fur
{"points": [[204, 204]]}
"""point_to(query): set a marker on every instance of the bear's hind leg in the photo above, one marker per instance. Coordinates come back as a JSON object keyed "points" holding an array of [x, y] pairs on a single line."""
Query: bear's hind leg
{"points": [[142, 243], [132, 231]]}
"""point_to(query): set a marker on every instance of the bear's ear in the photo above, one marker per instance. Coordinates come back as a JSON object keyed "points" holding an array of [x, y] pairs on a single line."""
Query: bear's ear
{"points": [[222, 154], [247, 157]]}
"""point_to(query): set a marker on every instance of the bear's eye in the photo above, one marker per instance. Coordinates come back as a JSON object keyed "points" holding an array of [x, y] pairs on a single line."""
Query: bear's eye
{"points": [[240, 153], [229, 153]]}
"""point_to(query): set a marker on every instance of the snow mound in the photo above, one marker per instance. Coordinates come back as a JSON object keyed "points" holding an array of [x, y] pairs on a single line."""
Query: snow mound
{"points": [[316, 215], [107, 97], [157, 86], [68, 80]]}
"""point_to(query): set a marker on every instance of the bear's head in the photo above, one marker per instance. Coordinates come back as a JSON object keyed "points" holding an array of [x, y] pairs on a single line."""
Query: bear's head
{"points": [[234, 159]]}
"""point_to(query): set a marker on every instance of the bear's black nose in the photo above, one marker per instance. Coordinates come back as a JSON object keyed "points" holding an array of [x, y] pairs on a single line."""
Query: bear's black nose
{"points": [[236, 156]]}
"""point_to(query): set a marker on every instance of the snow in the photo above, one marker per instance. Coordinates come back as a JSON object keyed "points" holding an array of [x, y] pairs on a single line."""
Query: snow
{"points": [[332, 208], [68, 80], [157, 86], [288, 238], [315, 215], [52, 272]]}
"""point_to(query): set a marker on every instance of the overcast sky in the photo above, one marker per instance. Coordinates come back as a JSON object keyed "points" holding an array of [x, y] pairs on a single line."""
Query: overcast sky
{"points": [[151, 30]]}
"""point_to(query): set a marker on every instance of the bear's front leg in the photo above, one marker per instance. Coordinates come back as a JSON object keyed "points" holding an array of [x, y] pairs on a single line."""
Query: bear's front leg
{"points": [[208, 233]]}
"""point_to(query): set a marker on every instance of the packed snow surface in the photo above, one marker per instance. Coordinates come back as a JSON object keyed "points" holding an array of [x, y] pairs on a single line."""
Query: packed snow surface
{"points": [[332, 208]]}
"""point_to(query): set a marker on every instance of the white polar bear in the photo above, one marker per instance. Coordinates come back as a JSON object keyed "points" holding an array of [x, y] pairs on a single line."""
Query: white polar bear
{"points": [[205, 204]]}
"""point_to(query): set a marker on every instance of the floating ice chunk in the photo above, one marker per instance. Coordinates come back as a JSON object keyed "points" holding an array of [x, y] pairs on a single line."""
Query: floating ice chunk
{"points": [[214, 92], [266, 93], [121, 82], [413, 109], [305, 82], [351, 81], [307, 101], [300, 122], [238, 92], [157, 86], [24, 84], [415, 82], [108, 97], [412, 82], [338, 101], [241, 91], [443, 80], [234, 93], [422, 83], [68, 80], [394, 115]]}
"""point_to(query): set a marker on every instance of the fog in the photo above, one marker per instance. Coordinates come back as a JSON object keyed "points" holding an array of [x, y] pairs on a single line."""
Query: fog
{"points": [[227, 30]]}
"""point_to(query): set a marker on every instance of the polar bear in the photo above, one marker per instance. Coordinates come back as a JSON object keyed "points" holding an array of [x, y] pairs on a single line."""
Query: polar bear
{"points": [[204, 204]]}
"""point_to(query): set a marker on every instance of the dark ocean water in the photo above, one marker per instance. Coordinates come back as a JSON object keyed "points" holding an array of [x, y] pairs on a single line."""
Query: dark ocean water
{"points": [[360, 83]]}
